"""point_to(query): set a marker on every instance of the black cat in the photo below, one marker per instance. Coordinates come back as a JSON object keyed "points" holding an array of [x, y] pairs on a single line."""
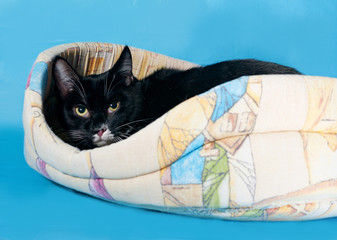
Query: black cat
{"points": [[101, 109]]}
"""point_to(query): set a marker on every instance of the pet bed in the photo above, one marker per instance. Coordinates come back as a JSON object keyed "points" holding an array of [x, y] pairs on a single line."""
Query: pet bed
{"points": [[256, 148]]}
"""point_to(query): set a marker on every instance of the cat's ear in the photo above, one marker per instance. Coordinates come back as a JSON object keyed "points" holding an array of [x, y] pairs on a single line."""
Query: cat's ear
{"points": [[65, 76], [123, 67]]}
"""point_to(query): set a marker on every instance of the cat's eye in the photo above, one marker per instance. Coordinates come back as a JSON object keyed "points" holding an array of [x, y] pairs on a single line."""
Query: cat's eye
{"points": [[113, 107], [82, 111]]}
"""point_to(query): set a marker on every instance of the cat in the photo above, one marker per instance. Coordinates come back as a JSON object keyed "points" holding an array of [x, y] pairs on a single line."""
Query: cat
{"points": [[98, 110]]}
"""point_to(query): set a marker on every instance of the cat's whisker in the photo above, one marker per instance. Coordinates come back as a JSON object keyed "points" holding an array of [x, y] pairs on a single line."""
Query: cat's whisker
{"points": [[122, 136], [133, 122], [80, 90], [75, 85], [77, 136], [109, 89], [77, 133], [126, 125], [116, 139], [79, 142], [105, 86]]}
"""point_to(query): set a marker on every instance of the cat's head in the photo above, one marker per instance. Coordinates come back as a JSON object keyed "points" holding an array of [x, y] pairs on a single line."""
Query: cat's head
{"points": [[97, 110]]}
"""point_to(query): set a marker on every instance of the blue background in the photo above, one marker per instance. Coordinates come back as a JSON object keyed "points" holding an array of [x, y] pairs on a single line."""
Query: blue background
{"points": [[301, 34]]}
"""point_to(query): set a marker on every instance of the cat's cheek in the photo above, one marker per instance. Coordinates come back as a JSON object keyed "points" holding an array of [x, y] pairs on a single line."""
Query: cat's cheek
{"points": [[107, 136], [110, 137], [95, 138]]}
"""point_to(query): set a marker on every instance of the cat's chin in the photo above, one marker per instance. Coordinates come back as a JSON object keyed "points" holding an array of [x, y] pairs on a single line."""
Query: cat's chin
{"points": [[102, 143]]}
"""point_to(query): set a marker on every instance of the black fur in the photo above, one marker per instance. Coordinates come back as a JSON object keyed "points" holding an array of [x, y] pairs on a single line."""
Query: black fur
{"points": [[140, 102]]}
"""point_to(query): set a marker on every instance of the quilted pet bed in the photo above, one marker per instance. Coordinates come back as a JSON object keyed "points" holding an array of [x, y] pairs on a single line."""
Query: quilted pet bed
{"points": [[255, 148]]}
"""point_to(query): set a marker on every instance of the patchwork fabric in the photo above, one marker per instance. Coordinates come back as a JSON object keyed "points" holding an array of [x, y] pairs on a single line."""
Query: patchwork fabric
{"points": [[256, 148]]}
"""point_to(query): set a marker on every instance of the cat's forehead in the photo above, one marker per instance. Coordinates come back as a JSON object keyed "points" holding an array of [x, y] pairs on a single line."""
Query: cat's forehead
{"points": [[94, 79], [94, 84], [97, 90]]}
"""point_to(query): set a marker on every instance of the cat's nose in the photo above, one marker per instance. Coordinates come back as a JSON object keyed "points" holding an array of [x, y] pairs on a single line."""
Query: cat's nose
{"points": [[100, 132]]}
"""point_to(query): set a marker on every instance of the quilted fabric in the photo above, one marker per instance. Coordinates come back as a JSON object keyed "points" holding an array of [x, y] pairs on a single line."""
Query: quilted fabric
{"points": [[255, 148]]}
